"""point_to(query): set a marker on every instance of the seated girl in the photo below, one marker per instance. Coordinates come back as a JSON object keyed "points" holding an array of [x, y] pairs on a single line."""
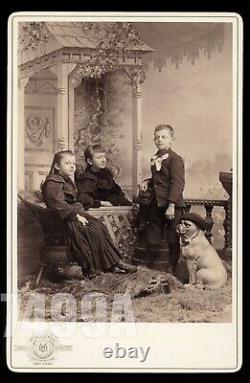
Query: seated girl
{"points": [[96, 186], [88, 239]]}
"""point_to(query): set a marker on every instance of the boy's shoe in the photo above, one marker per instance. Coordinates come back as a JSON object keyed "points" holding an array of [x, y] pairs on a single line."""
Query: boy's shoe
{"points": [[127, 267], [117, 270]]}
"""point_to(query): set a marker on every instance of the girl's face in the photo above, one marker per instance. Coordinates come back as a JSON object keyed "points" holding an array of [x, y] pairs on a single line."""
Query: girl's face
{"points": [[163, 139], [67, 165], [98, 160]]}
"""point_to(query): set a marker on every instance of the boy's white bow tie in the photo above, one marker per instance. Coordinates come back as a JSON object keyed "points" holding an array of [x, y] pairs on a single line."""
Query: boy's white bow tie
{"points": [[157, 161]]}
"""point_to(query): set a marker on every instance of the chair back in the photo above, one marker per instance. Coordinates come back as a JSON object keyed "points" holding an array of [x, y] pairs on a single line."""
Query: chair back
{"points": [[51, 224]]}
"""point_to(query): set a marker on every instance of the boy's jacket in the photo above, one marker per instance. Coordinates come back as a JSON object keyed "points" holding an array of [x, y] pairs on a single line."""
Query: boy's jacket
{"points": [[168, 182]]}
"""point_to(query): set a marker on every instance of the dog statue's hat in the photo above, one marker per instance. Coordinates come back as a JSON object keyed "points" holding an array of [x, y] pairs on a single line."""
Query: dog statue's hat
{"points": [[195, 218]]}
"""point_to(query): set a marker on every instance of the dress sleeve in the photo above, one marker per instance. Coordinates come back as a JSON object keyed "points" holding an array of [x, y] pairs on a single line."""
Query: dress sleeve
{"points": [[117, 197], [54, 198], [177, 179], [86, 192]]}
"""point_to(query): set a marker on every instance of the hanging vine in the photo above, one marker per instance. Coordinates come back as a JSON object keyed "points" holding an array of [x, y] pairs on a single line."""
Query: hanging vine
{"points": [[32, 35]]}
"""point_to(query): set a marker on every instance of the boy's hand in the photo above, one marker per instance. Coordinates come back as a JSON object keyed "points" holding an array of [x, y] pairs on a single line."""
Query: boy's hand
{"points": [[170, 211], [144, 185], [81, 219], [106, 203]]}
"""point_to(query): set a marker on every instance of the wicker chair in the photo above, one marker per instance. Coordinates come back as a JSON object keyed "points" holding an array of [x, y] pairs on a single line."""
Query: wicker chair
{"points": [[55, 253]]}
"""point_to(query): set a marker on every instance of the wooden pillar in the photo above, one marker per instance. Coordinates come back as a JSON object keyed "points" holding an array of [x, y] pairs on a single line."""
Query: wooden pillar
{"points": [[75, 79], [187, 208], [62, 111], [227, 225], [21, 130], [209, 221], [137, 77], [137, 137], [71, 114]]}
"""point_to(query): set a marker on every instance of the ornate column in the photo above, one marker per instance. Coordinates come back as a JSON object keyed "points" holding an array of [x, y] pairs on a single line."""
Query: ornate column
{"points": [[21, 129], [62, 112], [137, 77], [75, 79]]}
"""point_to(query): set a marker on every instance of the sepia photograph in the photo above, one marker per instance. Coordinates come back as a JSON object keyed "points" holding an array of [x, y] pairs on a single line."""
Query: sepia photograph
{"points": [[124, 138]]}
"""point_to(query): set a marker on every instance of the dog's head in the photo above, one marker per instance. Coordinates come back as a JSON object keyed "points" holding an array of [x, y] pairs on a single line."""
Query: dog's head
{"points": [[187, 228], [190, 224]]}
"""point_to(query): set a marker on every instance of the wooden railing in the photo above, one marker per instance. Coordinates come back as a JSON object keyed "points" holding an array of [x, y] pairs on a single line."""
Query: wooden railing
{"points": [[118, 219]]}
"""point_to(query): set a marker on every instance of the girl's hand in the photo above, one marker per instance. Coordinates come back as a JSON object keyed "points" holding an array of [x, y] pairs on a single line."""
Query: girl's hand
{"points": [[106, 203], [81, 219]]}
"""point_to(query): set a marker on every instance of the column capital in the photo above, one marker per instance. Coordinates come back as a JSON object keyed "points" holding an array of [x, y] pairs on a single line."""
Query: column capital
{"points": [[77, 75], [67, 68], [62, 72], [137, 77], [22, 82]]}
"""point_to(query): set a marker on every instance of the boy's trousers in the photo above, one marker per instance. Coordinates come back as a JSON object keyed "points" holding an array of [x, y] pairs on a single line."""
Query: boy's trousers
{"points": [[157, 227]]}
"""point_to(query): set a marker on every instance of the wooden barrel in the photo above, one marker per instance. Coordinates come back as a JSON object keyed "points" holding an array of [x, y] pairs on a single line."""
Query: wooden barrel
{"points": [[158, 260], [55, 255], [55, 260]]}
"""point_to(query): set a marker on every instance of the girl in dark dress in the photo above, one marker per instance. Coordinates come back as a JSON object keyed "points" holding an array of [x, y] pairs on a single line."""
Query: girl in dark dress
{"points": [[96, 185], [87, 237]]}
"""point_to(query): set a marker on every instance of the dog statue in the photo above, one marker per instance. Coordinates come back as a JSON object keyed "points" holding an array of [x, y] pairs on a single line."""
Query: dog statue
{"points": [[204, 266]]}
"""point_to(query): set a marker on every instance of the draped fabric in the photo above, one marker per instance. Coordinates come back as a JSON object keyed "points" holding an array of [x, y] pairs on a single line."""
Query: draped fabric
{"points": [[174, 41]]}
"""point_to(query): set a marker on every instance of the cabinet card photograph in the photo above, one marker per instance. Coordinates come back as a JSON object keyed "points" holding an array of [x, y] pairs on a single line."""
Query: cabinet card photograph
{"points": [[124, 192]]}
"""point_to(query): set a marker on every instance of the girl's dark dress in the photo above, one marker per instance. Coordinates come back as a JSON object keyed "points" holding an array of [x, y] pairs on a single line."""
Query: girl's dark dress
{"points": [[95, 187], [91, 245]]}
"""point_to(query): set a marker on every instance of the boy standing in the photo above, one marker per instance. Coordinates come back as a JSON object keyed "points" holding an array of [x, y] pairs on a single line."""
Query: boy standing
{"points": [[166, 204]]}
